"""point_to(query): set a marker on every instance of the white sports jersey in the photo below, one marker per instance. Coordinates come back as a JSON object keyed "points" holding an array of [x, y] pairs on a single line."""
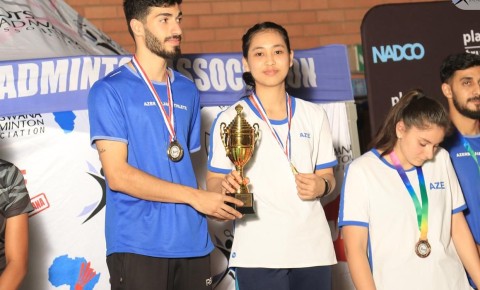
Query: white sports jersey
{"points": [[285, 232], [375, 197]]}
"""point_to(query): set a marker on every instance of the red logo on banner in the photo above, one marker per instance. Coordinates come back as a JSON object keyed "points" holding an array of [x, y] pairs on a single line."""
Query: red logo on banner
{"points": [[40, 203]]}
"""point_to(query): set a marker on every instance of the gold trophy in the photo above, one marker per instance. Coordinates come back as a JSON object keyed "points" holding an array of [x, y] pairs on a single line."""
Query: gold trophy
{"points": [[239, 140]]}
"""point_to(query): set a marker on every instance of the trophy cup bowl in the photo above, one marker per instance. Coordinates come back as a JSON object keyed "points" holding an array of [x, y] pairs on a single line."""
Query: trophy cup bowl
{"points": [[239, 140]]}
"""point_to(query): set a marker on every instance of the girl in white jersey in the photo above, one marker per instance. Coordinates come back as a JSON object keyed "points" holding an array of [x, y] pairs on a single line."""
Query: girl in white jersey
{"points": [[286, 244], [401, 206]]}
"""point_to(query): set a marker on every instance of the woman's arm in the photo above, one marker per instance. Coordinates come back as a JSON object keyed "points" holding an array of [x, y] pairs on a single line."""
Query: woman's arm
{"points": [[465, 246], [16, 252], [313, 185], [356, 238]]}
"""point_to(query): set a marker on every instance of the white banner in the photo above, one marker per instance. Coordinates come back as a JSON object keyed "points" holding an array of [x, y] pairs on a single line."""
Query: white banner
{"points": [[67, 188]]}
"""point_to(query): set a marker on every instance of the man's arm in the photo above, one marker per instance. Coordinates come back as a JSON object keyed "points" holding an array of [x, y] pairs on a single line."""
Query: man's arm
{"points": [[16, 252], [127, 179]]}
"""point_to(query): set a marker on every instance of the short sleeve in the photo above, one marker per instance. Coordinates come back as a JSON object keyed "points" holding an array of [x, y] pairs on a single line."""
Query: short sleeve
{"points": [[354, 201], [13, 189], [326, 155], [458, 201], [106, 114]]}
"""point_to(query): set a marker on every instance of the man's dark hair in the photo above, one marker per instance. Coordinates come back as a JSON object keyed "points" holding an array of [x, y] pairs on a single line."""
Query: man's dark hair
{"points": [[456, 62], [139, 9]]}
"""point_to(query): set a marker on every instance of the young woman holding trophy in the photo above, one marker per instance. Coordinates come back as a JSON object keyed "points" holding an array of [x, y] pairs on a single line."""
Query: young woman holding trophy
{"points": [[285, 146]]}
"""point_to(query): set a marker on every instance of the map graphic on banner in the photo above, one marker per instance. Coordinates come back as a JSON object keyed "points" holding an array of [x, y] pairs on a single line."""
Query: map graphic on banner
{"points": [[44, 130]]}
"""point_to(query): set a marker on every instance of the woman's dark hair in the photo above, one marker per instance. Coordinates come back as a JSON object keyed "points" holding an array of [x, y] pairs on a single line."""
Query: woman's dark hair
{"points": [[247, 39], [139, 9], [414, 109]]}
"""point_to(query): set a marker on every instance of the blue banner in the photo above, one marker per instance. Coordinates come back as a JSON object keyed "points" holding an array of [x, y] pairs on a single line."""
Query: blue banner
{"points": [[62, 84]]}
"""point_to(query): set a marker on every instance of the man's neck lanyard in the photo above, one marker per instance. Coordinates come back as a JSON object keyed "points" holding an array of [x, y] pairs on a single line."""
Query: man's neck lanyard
{"points": [[287, 148], [470, 150], [175, 151], [421, 209]]}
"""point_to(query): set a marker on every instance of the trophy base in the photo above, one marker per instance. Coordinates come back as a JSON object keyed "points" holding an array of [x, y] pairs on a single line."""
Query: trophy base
{"points": [[247, 199]]}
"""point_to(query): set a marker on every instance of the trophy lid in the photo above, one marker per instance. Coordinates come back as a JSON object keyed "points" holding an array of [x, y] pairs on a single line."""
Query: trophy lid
{"points": [[239, 121]]}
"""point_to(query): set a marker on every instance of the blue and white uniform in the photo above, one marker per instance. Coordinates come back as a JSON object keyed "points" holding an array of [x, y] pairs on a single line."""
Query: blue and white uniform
{"points": [[468, 175], [375, 197], [121, 108], [285, 232]]}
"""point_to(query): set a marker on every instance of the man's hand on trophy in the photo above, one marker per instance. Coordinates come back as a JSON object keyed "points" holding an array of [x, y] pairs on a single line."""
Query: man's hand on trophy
{"points": [[213, 204]]}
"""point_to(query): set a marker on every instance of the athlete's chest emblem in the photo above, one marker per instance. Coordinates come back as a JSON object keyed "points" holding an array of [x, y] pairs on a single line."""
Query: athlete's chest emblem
{"points": [[305, 135], [437, 185]]}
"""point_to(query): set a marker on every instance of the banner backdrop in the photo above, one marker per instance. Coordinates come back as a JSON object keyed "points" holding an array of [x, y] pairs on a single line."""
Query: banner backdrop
{"points": [[67, 188], [404, 46], [58, 84], [48, 28]]}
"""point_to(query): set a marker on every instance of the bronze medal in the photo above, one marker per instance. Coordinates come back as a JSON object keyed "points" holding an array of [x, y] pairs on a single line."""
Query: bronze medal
{"points": [[175, 151], [422, 248]]}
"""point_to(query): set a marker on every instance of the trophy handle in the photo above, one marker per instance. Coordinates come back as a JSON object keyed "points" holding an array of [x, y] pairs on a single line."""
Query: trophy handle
{"points": [[256, 129], [223, 136]]}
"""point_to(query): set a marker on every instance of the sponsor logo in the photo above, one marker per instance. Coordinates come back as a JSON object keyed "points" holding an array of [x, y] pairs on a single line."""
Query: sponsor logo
{"points": [[396, 52], [208, 282], [39, 203], [14, 127], [467, 4], [471, 41], [344, 157], [14, 21], [93, 209], [395, 99], [466, 154]]}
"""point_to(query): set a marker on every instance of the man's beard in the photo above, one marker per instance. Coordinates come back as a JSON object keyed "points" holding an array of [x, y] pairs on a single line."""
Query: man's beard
{"points": [[155, 46], [472, 114]]}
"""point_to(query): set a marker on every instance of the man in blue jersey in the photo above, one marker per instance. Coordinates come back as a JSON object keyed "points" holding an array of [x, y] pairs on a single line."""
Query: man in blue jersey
{"points": [[145, 122], [460, 76]]}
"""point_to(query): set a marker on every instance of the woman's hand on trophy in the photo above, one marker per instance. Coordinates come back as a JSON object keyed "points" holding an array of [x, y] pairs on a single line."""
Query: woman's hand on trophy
{"points": [[231, 182]]}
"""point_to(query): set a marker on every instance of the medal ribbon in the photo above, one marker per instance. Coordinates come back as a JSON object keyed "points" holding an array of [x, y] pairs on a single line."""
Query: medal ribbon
{"points": [[469, 149], [169, 119], [286, 149], [421, 209]]}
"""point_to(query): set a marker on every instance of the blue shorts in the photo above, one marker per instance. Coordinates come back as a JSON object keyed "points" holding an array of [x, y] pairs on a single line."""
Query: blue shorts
{"points": [[310, 278]]}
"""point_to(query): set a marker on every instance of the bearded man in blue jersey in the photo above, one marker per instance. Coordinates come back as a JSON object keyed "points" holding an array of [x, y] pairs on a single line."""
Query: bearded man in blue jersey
{"points": [[145, 122], [460, 77]]}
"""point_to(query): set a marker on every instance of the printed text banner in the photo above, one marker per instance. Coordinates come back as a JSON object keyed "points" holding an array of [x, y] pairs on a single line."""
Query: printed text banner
{"points": [[62, 84]]}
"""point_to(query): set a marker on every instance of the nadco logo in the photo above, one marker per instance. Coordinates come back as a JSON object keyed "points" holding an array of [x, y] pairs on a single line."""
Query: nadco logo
{"points": [[395, 52]]}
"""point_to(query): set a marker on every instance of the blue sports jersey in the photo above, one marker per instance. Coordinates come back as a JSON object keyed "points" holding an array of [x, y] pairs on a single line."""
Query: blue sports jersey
{"points": [[121, 108], [468, 175]]}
